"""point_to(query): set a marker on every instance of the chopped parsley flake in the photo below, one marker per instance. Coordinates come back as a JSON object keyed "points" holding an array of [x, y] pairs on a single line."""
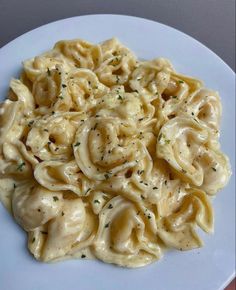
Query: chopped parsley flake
{"points": [[64, 86], [162, 136], [110, 206], [33, 240], [213, 168], [181, 82], [140, 172], [96, 201], [77, 144], [106, 176], [107, 225], [87, 190], [20, 166], [30, 123], [83, 256], [55, 198]]}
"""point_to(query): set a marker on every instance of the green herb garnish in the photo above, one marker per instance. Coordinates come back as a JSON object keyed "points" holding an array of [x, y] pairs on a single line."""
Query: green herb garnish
{"points": [[140, 172], [20, 166], [106, 176], [30, 123], [55, 198], [87, 190], [160, 136]]}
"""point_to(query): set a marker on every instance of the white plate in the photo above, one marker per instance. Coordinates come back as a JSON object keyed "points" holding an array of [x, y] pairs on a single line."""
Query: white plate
{"points": [[208, 268]]}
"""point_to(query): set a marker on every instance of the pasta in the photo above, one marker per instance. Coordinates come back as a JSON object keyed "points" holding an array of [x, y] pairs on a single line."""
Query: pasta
{"points": [[105, 156]]}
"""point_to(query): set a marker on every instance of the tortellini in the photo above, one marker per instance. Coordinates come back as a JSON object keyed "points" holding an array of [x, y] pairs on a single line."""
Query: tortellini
{"points": [[183, 143], [125, 236], [177, 229], [50, 91], [117, 63], [101, 148], [105, 156], [85, 89]]}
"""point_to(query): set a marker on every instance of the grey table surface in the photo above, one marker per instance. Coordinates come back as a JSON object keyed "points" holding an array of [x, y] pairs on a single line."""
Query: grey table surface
{"points": [[212, 22]]}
